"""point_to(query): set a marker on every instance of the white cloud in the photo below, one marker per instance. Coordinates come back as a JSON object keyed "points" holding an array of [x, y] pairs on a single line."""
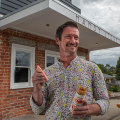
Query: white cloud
{"points": [[106, 14], [107, 56]]}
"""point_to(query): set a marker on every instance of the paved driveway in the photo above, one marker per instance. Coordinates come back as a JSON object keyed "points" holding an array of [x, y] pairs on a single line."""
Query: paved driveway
{"points": [[113, 112]]}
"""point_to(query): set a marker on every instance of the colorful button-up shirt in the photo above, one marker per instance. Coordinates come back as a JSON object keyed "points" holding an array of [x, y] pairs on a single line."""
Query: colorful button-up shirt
{"points": [[62, 85]]}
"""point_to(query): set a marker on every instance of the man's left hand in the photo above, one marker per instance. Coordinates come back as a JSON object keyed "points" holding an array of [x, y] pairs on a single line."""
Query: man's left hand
{"points": [[86, 109]]}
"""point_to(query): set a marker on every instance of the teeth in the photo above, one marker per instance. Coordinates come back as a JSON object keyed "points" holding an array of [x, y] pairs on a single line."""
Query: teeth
{"points": [[71, 45]]}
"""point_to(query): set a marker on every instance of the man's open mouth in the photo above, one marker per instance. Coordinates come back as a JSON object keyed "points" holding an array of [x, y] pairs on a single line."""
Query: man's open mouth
{"points": [[73, 45]]}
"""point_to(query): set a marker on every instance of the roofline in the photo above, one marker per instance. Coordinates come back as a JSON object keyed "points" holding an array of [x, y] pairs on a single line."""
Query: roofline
{"points": [[78, 20], [56, 6], [20, 9]]}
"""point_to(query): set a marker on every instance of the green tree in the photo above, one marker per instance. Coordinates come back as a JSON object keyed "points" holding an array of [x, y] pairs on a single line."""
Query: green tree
{"points": [[102, 67], [118, 69], [112, 70], [107, 69], [107, 66]]}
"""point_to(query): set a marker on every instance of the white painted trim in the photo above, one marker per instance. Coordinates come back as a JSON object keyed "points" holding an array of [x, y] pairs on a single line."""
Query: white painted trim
{"points": [[14, 18], [32, 66], [51, 53], [34, 33]]}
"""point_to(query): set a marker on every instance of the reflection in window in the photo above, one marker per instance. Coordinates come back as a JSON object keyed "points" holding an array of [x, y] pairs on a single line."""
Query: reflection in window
{"points": [[50, 60], [22, 58], [22, 68]]}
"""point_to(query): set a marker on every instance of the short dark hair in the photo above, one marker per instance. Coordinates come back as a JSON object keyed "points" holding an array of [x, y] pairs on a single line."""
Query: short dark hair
{"points": [[60, 29]]}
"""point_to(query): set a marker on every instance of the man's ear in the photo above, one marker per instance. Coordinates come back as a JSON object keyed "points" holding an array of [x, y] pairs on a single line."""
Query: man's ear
{"points": [[57, 40]]}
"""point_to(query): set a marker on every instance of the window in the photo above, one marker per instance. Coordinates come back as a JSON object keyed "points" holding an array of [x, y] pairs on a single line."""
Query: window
{"points": [[51, 57], [22, 66]]}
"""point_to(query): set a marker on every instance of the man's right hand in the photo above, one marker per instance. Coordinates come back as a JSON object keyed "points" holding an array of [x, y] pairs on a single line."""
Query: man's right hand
{"points": [[38, 79]]}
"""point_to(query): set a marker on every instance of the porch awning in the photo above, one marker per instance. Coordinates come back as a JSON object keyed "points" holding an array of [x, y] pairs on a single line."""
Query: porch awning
{"points": [[42, 18]]}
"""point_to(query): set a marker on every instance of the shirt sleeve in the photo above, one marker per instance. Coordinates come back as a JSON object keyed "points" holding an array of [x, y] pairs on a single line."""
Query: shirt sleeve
{"points": [[39, 109], [35, 108], [100, 90]]}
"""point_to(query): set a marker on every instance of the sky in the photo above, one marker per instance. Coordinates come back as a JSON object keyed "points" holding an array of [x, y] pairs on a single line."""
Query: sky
{"points": [[106, 14]]}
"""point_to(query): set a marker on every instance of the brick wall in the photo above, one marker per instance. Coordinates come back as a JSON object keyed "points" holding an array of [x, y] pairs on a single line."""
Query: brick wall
{"points": [[16, 102], [4, 74]]}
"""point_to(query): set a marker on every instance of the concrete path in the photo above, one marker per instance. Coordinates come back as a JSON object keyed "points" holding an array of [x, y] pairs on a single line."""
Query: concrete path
{"points": [[112, 114], [29, 117]]}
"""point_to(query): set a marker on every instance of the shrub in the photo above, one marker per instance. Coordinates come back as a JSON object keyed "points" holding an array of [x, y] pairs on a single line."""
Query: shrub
{"points": [[115, 89]]}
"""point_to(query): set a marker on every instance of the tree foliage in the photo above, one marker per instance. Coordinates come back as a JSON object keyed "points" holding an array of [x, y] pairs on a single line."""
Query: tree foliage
{"points": [[118, 69], [107, 69], [111, 70]]}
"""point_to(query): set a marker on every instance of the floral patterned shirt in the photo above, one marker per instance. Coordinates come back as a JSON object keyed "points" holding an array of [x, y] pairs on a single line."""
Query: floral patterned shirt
{"points": [[62, 85]]}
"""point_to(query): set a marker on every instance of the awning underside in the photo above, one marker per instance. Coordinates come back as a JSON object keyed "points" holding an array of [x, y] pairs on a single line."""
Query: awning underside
{"points": [[45, 21]]}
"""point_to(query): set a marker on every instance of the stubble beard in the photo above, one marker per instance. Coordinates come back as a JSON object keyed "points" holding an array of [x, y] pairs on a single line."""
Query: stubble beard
{"points": [[73, 51]]}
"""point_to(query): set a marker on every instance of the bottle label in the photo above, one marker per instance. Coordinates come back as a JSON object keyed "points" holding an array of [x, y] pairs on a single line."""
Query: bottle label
{"points": [[77, 100]]}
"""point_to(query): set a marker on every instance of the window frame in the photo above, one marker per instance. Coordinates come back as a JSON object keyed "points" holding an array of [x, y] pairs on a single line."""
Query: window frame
{"points": [[24, 48], [52, 54]]}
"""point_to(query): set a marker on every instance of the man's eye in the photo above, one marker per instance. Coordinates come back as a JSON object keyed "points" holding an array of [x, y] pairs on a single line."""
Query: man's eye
{"points": [[68, 37], [76, 38]]}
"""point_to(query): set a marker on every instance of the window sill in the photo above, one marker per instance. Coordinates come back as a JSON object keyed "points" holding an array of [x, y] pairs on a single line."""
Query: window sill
{"points": [[20, 87]]}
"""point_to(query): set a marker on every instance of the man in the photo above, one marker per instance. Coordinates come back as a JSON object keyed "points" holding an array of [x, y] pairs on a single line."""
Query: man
{"points": [[65, 77]]}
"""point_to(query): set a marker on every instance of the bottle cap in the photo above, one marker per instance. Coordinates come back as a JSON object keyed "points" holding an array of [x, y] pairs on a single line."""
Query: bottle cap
{"points": [[81, 91]]}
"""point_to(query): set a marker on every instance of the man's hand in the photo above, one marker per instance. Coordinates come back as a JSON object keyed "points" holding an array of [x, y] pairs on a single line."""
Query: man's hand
{"points": [[86, 109], [38, 80]]}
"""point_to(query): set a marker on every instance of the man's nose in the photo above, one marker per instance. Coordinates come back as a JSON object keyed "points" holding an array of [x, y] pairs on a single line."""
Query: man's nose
{"points": [[72, 39]]}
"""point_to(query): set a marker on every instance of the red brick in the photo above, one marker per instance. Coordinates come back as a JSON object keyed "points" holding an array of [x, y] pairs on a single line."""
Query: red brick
{"points": [[16, 102]]}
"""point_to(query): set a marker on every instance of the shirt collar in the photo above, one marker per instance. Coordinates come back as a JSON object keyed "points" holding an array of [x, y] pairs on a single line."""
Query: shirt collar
{"points": [[73, 62]]}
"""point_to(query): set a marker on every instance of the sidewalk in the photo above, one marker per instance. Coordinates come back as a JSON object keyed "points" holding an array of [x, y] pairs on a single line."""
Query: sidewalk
{"points": [[112, 114], [29, 117]]}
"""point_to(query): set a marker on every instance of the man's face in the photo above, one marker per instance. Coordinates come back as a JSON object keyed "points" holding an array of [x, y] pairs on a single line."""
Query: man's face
{"points": [[69, 41]]}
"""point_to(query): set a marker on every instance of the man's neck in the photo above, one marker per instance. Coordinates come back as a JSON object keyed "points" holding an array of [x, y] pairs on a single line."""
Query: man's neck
{"points": [[67, 59]]}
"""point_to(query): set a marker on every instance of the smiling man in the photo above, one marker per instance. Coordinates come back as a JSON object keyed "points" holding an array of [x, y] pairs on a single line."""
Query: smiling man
{"points": [[65, 77], [68, 41]]}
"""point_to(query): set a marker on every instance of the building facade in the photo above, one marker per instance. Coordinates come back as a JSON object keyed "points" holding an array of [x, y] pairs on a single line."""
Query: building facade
{"points": [[27, 31]]}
